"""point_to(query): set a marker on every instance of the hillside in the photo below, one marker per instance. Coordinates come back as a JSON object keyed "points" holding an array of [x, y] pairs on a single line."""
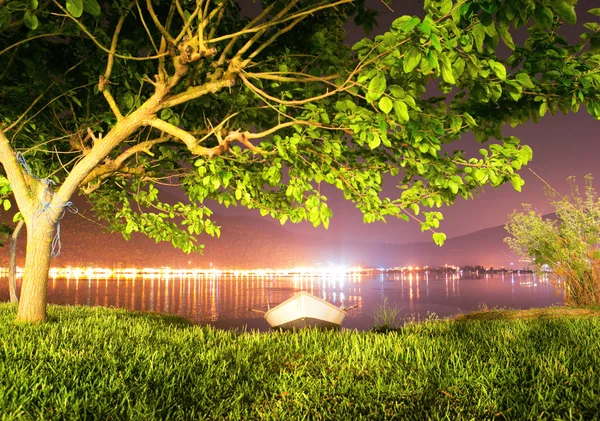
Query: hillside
{"points": [[253, 242]]}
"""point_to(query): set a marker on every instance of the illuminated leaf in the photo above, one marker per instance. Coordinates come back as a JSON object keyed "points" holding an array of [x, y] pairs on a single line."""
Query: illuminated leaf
{"points": [[439, 238], [386, 104], [75, 7], [401, 111], [30, 20]]}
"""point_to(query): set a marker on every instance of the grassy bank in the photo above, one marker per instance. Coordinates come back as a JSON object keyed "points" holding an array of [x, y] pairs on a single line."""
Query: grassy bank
{"points": [[97, 363]]}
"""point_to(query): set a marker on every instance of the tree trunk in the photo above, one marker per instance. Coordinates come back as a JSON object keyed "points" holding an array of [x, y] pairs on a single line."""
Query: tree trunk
{"points": [[12, 266], [34, 287]]}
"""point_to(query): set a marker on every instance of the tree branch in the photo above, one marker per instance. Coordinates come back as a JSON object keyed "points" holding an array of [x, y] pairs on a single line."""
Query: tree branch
{"points": [[103, 87], [158, 25], [115, 39], [190, 141], [271, 40], [116, 165], [276, 76], [233, 40], [15, 175], [95, 41], [198, 91], [295, 102], [274, 22], [264, 27], [145, 26]]}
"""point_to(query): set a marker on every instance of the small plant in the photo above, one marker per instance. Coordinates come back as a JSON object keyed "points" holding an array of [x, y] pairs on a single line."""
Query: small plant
{"points": [[386, 318], [569, 244]]}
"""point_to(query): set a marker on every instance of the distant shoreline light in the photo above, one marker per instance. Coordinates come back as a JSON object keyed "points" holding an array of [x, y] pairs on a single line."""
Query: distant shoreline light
{"points": [[95, 272]]}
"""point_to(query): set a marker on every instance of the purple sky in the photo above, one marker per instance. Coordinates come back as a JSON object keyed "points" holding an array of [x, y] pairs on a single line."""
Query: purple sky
{"points": [[562, 146]]}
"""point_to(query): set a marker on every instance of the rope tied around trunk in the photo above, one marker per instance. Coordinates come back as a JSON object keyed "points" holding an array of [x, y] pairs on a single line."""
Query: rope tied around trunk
{"points": [[42, 208]]}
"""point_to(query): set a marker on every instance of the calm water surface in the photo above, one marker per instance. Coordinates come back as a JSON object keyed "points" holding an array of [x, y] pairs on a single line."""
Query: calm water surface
{"points": [[224, 301]]}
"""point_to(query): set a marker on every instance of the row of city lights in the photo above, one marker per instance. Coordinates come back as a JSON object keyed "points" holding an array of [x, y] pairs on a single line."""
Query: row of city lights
{"points": [[166, 271]]}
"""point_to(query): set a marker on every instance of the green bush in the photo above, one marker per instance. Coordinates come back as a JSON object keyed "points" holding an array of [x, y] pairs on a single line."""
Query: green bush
{"points": [[569, 245]]}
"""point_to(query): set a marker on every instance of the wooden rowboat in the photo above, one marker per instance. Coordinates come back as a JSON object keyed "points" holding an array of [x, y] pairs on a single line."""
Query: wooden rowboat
{"points": [[305, 310]]}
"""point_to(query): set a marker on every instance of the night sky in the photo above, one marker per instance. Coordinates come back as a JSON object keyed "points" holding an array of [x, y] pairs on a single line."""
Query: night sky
{"points": [[562, 146]]}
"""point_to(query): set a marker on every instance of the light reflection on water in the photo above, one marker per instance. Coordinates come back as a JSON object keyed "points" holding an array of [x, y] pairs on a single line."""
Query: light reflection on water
{"points": [[225, 301]]}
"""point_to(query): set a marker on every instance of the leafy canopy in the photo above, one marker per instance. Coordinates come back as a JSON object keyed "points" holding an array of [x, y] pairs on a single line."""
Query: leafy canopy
{"points": [[115, 99]]}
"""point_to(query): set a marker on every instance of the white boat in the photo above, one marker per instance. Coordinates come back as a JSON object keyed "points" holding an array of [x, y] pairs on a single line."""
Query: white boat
{"points": [[305, 310]]}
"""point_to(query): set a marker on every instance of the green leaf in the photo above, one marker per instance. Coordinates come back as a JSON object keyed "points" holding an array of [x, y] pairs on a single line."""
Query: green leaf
{"points": [[363, 43], [506, 37], [543, 108], [377, 87], [411, 59], [92, 7], [386, 104], [595, 11], [410, 24], [516, 182], [16, 6], [6, 204], [75, 7], [31, 20], [401, 111], [565, 10], [447, 69], [514, 90], [5, 18], [439, 238], [479, 35], [524, 80], [17, 217], [375, 142], [128, 101], [499, 69], [595, 43]]}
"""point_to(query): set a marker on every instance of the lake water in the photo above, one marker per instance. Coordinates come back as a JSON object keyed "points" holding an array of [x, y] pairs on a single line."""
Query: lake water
{"points": [[224, 301]]}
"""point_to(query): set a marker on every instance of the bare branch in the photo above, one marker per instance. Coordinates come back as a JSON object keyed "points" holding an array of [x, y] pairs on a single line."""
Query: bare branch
{"points": [[23, 41], [95, 41], [115, 39], [277, 22], [276, 76], [186, 27], [145, 26], [158, 25], [190, 141], [38, 99], [250, 24], [103, 87], [117, 165], [198, 91], [262, 93], [271, 40], [219, 18]]}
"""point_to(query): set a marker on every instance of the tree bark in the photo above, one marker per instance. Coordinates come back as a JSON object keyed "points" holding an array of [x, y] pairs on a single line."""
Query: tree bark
{"points": [[12, 266], [34, 287]]}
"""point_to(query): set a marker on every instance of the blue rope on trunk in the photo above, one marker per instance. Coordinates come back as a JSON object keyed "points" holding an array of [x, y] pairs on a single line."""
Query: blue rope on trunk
{"points": [[43, 207]]}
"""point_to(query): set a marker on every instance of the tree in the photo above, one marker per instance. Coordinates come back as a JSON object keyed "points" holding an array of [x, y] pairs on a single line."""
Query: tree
{"points": [[259, 112], [569, 244]]}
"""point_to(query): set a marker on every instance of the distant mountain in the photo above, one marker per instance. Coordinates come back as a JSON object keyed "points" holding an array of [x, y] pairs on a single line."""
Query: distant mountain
{"points": [[253, 242]]}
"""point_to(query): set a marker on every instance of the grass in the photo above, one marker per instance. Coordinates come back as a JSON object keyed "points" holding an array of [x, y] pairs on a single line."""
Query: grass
{"points": [[109, 364], [386, 318]]}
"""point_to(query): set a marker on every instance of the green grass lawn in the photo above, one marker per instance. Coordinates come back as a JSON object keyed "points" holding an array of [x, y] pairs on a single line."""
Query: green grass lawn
{"points": [[98, 363]]}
